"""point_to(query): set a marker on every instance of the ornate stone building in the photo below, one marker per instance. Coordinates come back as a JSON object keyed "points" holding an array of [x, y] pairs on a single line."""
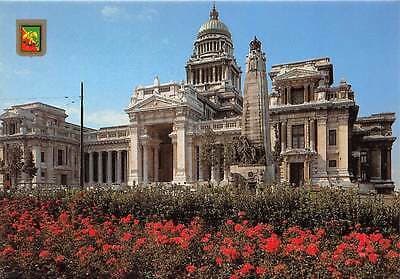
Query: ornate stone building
{"points": [[306, 128]]}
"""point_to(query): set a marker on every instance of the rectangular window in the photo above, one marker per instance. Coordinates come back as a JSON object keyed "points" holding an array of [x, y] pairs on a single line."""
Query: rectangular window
{"points": [[42, 157], [297, 136], [42, 174], [297, 96], [13, 128], [363, 157], [332, 137], [60, 157], [332, 163]]}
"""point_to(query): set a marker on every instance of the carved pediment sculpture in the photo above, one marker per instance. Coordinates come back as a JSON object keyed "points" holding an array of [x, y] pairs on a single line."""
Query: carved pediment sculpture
{"points": [[296, 73]]}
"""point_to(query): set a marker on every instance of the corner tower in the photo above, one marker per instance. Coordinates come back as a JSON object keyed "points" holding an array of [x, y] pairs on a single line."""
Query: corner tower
{"points": [[212, 68]]}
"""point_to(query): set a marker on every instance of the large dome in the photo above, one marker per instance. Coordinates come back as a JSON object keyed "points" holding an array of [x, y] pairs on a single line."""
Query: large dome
{"points": [[214, 25]]}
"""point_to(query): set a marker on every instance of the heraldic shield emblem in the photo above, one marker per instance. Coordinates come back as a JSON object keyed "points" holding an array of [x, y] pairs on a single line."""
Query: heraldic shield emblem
{"points": [[31, 37]]}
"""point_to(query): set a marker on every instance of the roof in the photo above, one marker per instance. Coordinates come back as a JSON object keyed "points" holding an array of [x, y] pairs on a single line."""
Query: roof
{"points": [[214, 25]]}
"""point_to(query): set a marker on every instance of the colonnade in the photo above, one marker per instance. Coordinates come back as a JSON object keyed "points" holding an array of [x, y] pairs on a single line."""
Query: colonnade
{"points": [[106, 167], [308, 92]]}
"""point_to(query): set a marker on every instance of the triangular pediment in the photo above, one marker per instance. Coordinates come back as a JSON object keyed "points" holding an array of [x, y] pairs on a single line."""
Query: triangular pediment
{"points": [[10, 114], [155, 102], [298, 73]]}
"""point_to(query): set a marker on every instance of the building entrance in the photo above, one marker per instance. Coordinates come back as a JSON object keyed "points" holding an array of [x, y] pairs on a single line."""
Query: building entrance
{"points": [[165, 163], [297, 174]]}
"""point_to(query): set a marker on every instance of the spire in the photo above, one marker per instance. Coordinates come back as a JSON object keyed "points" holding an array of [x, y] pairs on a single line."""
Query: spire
{"points": [[213, 12], [255, 44]]}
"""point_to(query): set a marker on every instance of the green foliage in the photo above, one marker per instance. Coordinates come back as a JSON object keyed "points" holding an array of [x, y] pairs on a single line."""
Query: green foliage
{"points": [[337, 210], [29, 166], [208, 147]]}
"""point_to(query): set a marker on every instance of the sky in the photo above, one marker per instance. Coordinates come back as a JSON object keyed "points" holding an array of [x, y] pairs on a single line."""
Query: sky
{"points": [[115, 46]]}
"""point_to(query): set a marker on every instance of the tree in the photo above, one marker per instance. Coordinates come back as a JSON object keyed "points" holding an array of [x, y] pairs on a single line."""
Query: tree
{"points": [[208, 154], [14, 164], [29, 166]]}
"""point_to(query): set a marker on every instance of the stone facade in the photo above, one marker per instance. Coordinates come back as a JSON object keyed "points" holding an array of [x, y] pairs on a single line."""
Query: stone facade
{"points": [[42, 129], [307, 127]]}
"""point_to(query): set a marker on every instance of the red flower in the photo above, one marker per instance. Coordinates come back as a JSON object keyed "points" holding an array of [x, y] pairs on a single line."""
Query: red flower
{"points": [[207, 248], [139, 243], [398, 245], [229, 252], [127, 219], [248, 250], [127, 236], [44, 254], [190, 268], [246, 269], [92, 232], [385, 243], [8, 250], [238, 228], [312, 249], [373, 258], [219, 261], [260, 270], [63, 218], [272, 244], [392, 254]]}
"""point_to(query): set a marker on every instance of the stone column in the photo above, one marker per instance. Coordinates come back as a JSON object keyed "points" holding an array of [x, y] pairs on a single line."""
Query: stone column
{"points": [[146, 159], [376, 164], [343, 144], [289, 95], [201, 167], [389, 164], [312, 134], [189, 159], [156, 162], [312, 92], [173, 142], [321, 177], [36, 157], [91, 168], [307, 133], [284, 136], [118, 167], [306, 93], [109, 167], [289, 136], [213, 74], [284, 170], [226, 75], [135, 157], [100, 167], [181, 157], [306, 171], [200, 75], [50, 165]]}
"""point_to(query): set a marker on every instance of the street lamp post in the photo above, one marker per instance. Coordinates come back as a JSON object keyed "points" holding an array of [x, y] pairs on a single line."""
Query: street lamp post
{"points": [[81, 142]]}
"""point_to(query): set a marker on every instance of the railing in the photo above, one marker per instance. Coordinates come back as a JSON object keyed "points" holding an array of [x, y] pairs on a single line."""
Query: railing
{"points": [[104, 134], [221, 124]]}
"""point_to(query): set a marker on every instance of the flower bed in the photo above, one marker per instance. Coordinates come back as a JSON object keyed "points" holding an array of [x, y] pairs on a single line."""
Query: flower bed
{"points": [[57, 237]]}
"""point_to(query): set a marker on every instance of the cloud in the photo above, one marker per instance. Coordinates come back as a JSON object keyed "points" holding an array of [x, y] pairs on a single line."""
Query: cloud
{"points": [[106, 118], [114, 13], [147, 14], [22, 72]]}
